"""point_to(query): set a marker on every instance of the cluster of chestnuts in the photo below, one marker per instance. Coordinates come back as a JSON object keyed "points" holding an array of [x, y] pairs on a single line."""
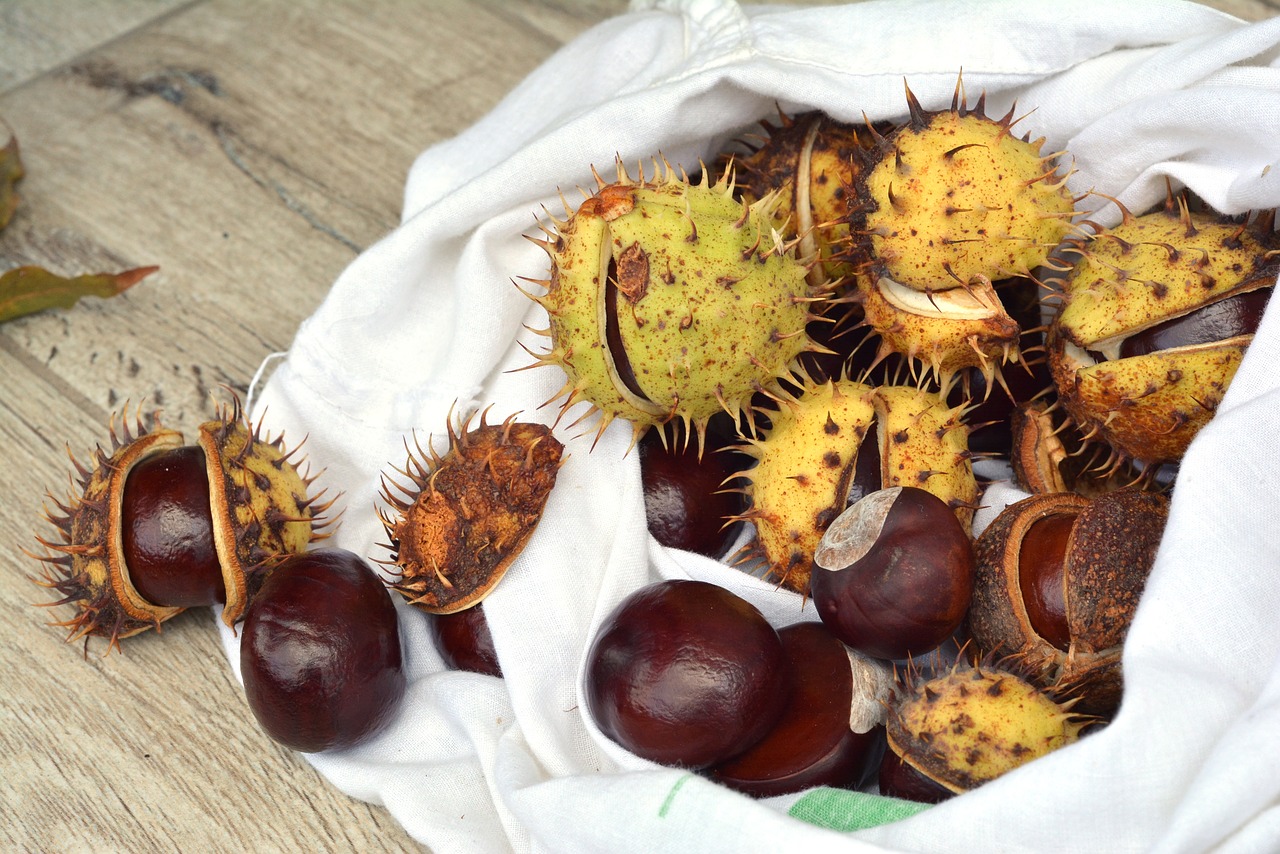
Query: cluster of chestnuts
{"points": [[919, 628], [959, 306], [160, 526], [812, 357], [687, 673]]}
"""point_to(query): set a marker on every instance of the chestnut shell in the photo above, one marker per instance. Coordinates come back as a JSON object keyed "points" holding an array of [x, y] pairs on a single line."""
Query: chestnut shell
{"points": [[1109, 555], [320, 654], [686, 673]]}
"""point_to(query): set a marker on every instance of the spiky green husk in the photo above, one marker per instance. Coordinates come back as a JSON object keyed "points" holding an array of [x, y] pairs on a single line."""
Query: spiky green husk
{"points": [[952, 195], [1164, 264], [671, 300], [925, 443]]}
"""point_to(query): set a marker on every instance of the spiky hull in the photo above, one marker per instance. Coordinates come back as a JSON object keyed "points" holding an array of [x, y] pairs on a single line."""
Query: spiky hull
{"points": [[259, 504], [808, 465], [1105, 567], [1146, 408], [669, 300], [1124, 372], [805, 466], [462, 518], [974, 724], [952, 195]]}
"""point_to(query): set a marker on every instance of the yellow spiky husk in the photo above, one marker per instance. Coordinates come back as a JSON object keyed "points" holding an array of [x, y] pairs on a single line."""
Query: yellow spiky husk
{"points": [[671, 300], [803, 467], [261, 506], [1146, 271], [973, 724], [953, 195]]}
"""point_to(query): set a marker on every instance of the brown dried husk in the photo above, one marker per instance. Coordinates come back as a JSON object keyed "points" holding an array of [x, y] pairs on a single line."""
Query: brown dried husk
{"points": [[462, 519], [1109, 555]]}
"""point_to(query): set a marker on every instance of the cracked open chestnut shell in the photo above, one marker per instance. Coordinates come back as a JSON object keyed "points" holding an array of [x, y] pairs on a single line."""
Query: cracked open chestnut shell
{"points": [[1057, 582], [159, 526], [1157, 313]]}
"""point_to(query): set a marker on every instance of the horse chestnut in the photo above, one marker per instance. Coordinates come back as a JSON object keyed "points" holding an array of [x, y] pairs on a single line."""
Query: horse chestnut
{"points": [[168, 530], [813, 744], [320, 652], [464, 642], [686, 503], [686, 673], [894, 573]]}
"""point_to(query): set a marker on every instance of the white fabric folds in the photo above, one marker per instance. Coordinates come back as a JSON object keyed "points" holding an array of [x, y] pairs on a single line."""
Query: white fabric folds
{"points": [[1134, 90]]}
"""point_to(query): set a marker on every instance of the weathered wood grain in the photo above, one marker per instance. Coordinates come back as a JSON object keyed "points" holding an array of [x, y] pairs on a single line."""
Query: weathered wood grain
{"points": [[251, 150], [37, 35]]}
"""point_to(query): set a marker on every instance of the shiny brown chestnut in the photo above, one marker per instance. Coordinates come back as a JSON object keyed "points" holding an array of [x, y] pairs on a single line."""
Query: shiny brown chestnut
{"points": [[815, 743], [686, 498], [464, 641], [894, 574], [320, 652], [1058, 579], [686, 673], [167, 530], [1239, 314]]}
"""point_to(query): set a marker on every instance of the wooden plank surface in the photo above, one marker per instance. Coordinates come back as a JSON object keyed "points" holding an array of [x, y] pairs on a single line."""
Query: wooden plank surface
{"points": [[251, 151]]}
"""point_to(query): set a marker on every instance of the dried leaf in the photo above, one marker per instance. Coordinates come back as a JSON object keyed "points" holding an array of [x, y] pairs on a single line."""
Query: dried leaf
{"points": [[10, 171], [26, 290]]}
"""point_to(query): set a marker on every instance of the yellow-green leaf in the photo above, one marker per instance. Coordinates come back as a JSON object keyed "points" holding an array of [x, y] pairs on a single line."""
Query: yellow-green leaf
{"points": [[10, 171], [26, 290]]}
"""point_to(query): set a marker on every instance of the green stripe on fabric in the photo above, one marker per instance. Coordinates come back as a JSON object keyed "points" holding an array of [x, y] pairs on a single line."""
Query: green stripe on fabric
{"points": [[671, 795], [840, 809]]}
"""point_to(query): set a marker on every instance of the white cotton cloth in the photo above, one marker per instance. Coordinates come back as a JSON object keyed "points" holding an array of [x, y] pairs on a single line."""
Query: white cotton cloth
{"points": [[1135, 90]]}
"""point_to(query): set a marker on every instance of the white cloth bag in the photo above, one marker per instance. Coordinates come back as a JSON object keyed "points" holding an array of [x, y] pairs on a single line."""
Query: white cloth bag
{"points": [[1134, 90]]}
